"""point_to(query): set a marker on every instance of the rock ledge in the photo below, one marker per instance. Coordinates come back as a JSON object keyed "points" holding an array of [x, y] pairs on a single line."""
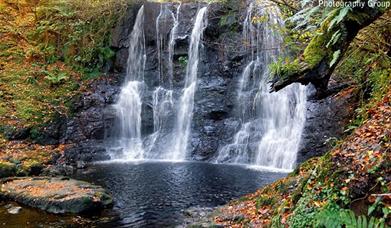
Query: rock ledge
{"points": [[55, 194]]}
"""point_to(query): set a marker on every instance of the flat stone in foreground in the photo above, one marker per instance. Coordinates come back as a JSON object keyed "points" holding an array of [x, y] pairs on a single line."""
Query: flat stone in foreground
{"points": [[55, 195]]}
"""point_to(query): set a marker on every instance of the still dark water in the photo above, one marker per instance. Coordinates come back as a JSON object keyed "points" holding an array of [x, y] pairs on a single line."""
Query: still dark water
{"points": [[155, 194]]}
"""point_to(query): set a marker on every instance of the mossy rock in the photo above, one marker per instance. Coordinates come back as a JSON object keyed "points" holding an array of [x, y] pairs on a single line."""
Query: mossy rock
{"points": [[7, 169], [316, 50], [31, 167]]}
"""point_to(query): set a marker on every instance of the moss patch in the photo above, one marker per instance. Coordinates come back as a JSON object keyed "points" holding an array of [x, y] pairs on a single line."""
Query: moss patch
{"points": [[7, 169], [316, 50]]}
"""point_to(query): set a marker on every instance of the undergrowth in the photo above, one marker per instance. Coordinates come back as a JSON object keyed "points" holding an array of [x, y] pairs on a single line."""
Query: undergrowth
{"points": [[367, 64], [48, 49]]}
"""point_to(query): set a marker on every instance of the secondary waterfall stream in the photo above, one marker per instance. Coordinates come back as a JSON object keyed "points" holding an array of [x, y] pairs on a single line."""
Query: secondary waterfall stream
{"points": [[129, 105], [270, 123], [186, 105]]}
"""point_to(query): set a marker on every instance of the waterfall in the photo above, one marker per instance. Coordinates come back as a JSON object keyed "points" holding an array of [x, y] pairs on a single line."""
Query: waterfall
{"points": [[159, 43], [137, 56], [171, 44], [271, 123], [162, 105], [186, 104], [163, 96], [128, 142], [128, 139], [163, 101]]}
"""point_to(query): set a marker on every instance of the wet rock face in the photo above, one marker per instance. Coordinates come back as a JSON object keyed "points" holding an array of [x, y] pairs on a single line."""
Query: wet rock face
{"points": [[326, 119], [55, 195], [85, 131]]}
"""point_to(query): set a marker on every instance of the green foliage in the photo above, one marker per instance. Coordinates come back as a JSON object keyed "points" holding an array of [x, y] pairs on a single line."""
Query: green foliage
{"points": [[25, 109], [310, 18], [48, 48], [334, 38], [30, 167], [336, 55], [373, 207], [342, 13], [372, 77], [379, 81], [333, 216], [303, 215], [284, 67], [322, 24], [77, 31], [264, 201], [183, 61], [34, 133], [3, 110], [309, 34], [55, 77]]}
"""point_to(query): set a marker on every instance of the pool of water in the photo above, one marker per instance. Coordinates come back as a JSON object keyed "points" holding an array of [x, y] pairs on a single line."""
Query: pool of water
{"points": [[155, 194], [150, 194]]}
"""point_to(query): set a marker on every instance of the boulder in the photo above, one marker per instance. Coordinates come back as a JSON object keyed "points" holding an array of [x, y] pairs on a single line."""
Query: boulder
{"points": [[55, 195]]}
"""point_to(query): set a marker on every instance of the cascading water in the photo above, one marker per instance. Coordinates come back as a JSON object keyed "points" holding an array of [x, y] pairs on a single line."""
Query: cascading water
{"points": [[163, 99], [166, 20], [171, 44], [271, 123], [128, 142], [186, 103]]}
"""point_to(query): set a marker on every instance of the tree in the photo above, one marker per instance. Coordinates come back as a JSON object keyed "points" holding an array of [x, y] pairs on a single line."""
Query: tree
{"points": [[333, 34]]}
